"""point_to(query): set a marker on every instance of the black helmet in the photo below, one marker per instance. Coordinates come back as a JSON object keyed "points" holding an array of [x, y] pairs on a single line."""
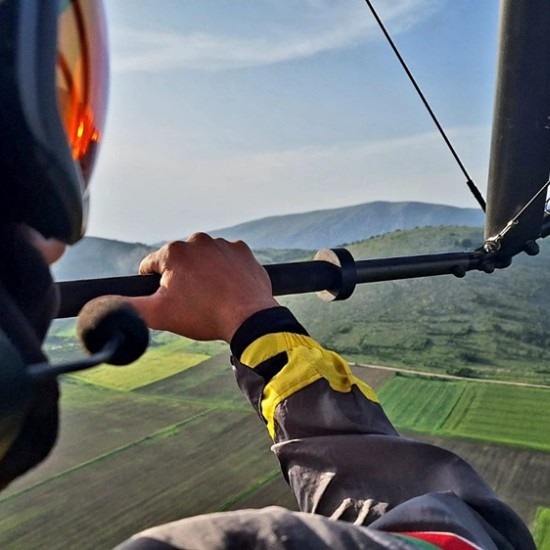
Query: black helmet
{"points": [[53, 95]]}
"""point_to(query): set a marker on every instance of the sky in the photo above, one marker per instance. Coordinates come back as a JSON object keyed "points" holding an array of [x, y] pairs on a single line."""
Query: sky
{"points": [[223, 111]]}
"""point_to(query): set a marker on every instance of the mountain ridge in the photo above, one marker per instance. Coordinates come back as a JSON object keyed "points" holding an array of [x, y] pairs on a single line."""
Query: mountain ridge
{"points": [[338, 226], [292, 234]]}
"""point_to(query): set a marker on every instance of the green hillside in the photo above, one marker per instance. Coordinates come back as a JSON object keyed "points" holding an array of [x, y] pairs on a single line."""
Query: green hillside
{"points": [[94, 258], [542, 532], [483, 326], [486, 326]]}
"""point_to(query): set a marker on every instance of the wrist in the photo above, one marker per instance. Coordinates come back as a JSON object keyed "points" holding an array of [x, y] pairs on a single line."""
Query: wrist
{"points": [[267, 321], [240, 315]]}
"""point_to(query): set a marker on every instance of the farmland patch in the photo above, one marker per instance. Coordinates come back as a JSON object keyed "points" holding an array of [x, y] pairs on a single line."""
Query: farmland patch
{"points": [[420, 404], [182, 446], [156, 364], [514, 415], [96, 421], [190, 469], [507, 414], [210, 382], [542, 530]]}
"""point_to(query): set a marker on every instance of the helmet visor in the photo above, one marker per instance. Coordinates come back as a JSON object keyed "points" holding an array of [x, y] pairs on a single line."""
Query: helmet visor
{"points": [[82, 77]]}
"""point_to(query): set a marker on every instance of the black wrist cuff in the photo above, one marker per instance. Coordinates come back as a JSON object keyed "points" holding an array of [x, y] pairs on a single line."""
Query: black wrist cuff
{"points": [[266, 321]]}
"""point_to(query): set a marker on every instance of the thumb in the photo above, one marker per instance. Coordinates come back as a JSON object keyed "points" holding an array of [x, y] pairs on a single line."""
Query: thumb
{"points": [[149, 307]]}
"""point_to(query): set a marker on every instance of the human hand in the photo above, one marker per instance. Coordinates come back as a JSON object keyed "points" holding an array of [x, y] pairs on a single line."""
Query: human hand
{"points": [[208, 288]]}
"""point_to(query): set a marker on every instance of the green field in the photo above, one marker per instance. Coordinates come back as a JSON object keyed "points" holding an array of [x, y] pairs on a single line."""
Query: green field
{"points": [[155, 365], [212, 383], [97, 421], [542, 530], [513, 415], [506, 414], [167, 355], [188, 443], [420, 404], [193, 467]]}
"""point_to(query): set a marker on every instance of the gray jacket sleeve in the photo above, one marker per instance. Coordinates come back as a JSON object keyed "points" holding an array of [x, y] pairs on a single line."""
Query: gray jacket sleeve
{"points": [[341, 455]]}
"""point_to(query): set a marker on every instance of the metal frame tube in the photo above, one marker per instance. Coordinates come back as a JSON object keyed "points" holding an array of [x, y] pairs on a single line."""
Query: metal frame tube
{"points": [[520, 148]]}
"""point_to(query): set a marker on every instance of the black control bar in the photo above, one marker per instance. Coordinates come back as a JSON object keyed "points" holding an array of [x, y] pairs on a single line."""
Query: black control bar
{"points": [[334, 273]]}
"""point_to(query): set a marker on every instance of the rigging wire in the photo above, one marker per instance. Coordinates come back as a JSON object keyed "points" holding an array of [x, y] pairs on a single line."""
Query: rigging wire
{"points": [[469, 182], [493, 243]]}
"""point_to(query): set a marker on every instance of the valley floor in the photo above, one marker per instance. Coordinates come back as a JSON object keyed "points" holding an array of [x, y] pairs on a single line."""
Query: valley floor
{"points": [[189, 443]]}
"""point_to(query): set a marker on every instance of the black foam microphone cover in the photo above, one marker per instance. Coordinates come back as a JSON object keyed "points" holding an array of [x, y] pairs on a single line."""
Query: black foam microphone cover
{"points": [[108, 318]]}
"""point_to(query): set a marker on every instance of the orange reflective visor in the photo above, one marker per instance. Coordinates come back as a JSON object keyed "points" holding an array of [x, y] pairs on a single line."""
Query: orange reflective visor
{"points": [[82, 77]]}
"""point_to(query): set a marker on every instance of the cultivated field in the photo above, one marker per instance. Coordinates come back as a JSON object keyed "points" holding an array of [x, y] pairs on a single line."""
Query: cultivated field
{"points": [[167, 355], [514, 415], [97, 421], [156, 365], [508, 414], [542, 532], [199, 465], [420, 404], [189, 443], [211, 382]]}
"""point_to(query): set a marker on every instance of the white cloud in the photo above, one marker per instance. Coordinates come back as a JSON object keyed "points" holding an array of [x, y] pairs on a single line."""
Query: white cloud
{"points": [[289, 31]]}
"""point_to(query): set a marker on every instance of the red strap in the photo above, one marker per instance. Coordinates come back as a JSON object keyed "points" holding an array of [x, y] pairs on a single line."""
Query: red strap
{"points": [[445, 541]]}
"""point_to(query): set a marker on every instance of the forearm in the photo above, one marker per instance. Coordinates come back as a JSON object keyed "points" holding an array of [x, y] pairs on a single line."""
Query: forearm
{"points": [[297, 387], [341, 455]]}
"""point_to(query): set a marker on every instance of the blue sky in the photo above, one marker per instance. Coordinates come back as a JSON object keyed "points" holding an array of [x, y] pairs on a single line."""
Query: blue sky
{"points": [[222, 112]]}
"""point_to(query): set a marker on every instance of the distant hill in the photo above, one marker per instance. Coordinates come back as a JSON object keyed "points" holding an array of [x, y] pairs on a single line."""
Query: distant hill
{"points": [[93, 258], [326, 228], [277, 238], [485, 326]]}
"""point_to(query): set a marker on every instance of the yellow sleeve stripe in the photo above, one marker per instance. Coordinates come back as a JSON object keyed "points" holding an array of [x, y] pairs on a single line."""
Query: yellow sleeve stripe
{"points": [[307, 363], [271, 344]]}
